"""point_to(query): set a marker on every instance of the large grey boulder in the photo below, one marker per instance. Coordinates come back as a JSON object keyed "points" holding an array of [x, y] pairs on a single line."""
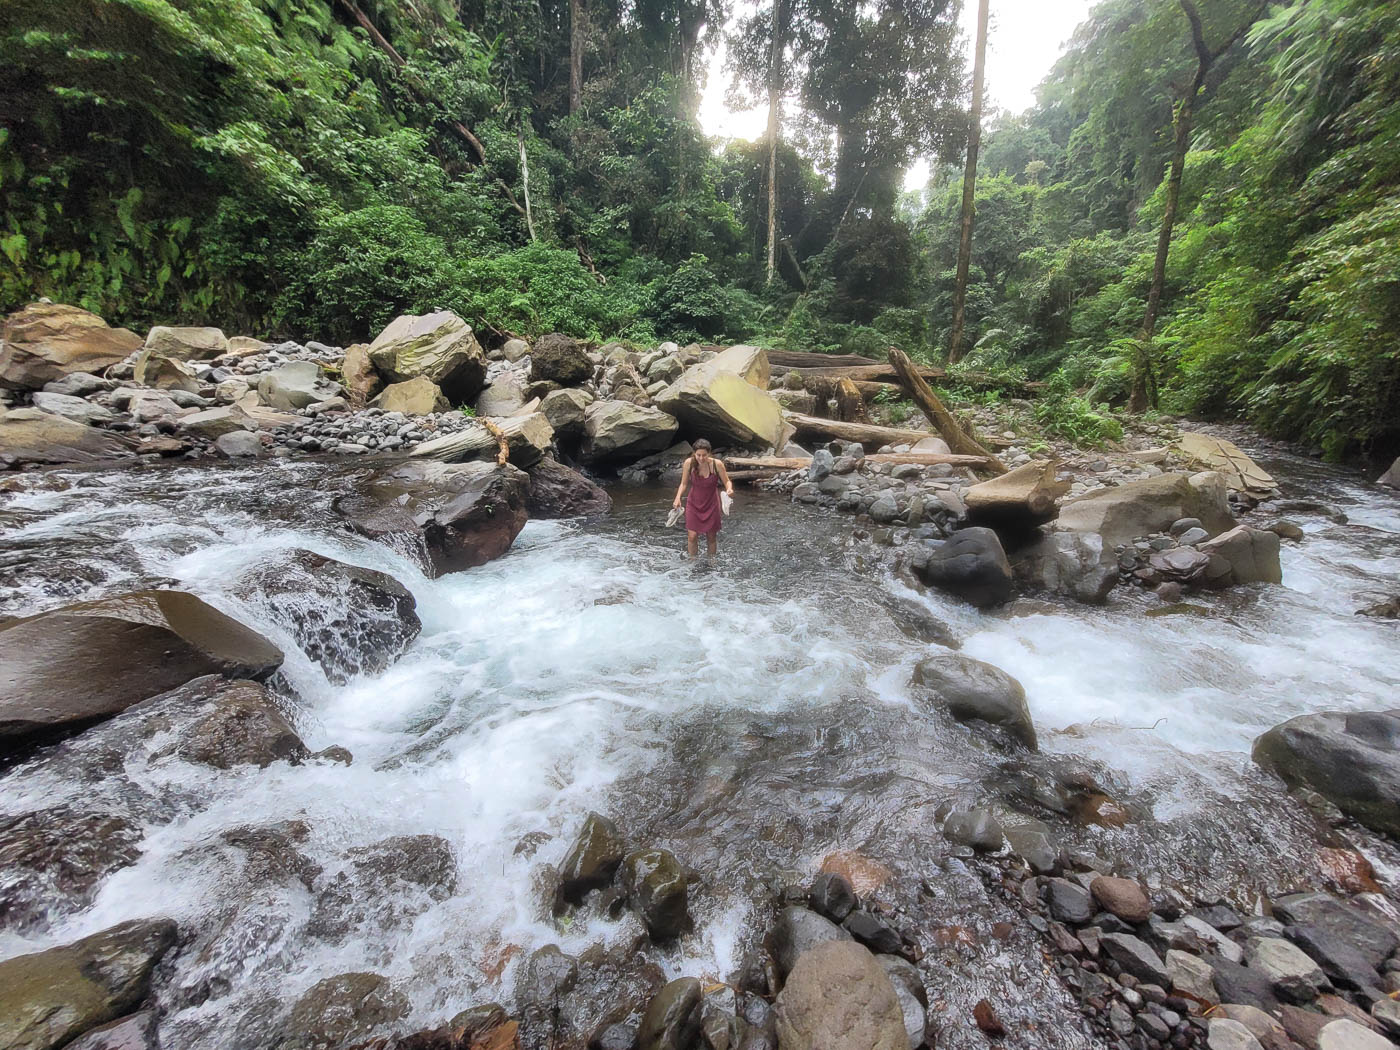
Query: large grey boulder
{"points": [[565, 411], [49, 998], [1075, 564], [187, 344], [795, 932], [839, 996], [1351, 759], [505, 396], [1139, 508], [296, 385], [971, 564], [617, 431], [726, 399], [214, 423], [1252, 554], [144, 643], [77, 409], [31, 435], [438, 346], [160, 372], [464, 514], [972, 690], [44, 342]]}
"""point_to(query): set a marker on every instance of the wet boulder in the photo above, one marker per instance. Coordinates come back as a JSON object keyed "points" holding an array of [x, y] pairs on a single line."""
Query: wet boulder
{"points": [[51, 997], [831, 896], [616, 431], [346, 1007], [187, 344], [972, 690], [53, 860], [837, 995], [977, 827], [592, 860], [413, 397], [1351, 759], [31, 435], [440, 347], [658, 890], [726, 399], [464, 514], [44, 342], [243, 728], [912, 995], [1075, 564], [136, 1031], [296, 384], [795, 932], [348, 619], [145, 643], [1139, 508], [556, 491], [559, 359], [1252, 554], [672, 1018], [972, 565]]}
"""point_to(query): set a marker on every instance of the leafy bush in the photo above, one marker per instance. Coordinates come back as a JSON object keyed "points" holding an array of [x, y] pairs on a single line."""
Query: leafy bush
{"points": [[1061, 412]]}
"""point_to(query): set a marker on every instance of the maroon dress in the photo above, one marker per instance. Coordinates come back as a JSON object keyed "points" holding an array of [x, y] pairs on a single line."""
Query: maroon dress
{"points": [[702, 512]]}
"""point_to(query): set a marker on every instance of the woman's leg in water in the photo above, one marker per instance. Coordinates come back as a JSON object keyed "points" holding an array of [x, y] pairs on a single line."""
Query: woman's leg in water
{"points": [[692, 543], [712, 543]]}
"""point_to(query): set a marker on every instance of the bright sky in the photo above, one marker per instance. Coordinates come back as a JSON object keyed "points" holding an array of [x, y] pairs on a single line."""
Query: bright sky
{"points": [[1024, 38]]}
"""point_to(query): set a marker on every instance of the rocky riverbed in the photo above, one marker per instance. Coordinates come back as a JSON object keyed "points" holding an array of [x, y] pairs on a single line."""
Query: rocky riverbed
{"points": [[328, 745]]}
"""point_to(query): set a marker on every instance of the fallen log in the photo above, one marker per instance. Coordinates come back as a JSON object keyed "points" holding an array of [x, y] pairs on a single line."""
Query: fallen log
{"points": [[785, 359], [754, 475], [949, 429], [861, 433], [925, 459], [1019, 500]]}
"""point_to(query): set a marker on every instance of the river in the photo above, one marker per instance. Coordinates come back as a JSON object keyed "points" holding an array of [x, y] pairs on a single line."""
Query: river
{"points": [[753, 716]]}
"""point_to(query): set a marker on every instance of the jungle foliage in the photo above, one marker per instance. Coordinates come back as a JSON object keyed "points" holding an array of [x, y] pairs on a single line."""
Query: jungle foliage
{"points": [[311, 168]]}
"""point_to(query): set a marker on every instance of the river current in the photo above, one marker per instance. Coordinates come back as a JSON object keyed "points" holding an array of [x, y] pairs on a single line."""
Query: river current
{"points": [[753, 716]]}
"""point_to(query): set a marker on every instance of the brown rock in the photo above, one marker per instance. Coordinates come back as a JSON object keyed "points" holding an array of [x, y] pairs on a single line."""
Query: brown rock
{"points": [[245, 728], [556, 491], [865, 875], [28, 435], [361, 381], [1123, 897], [988, 1021], [46, 341], [145, 643], [837, 995]]}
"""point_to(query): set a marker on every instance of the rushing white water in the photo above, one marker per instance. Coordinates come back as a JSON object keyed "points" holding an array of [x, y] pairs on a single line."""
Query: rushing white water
{"points": [[753, 716]]}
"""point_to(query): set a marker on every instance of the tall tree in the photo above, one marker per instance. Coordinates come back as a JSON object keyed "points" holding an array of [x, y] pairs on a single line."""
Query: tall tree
{"points": [[576, 24], [974, 139], [1144, 391], [775, 74]]}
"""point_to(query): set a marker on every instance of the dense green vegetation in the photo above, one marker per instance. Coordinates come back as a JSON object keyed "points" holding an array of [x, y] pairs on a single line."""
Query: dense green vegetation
{"points": [[313, 167]]}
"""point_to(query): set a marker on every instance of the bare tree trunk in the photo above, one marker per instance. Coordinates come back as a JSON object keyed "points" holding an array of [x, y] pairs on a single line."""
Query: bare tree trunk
{"points": [[525, 182], [1144, 392], [959, 440], [774, 92], [576, 24], [974, 142]]}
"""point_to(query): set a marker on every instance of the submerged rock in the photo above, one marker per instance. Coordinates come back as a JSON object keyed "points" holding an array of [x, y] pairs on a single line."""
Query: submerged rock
{"points": [[49, 998], [837, 995], [464, 514], [339, 1009], [1351, 759], [387, 884], [244, 728], [145, 643], [348, 619], [658, 890], [53, 860], [972, 690]]}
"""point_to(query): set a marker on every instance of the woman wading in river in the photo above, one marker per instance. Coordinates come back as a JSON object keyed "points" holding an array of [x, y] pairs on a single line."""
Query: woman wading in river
{"points": [[702, 474]]}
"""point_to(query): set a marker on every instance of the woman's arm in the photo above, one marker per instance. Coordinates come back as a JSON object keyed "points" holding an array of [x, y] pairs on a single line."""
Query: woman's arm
{"points": [[724, 477], [685, 480]]}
